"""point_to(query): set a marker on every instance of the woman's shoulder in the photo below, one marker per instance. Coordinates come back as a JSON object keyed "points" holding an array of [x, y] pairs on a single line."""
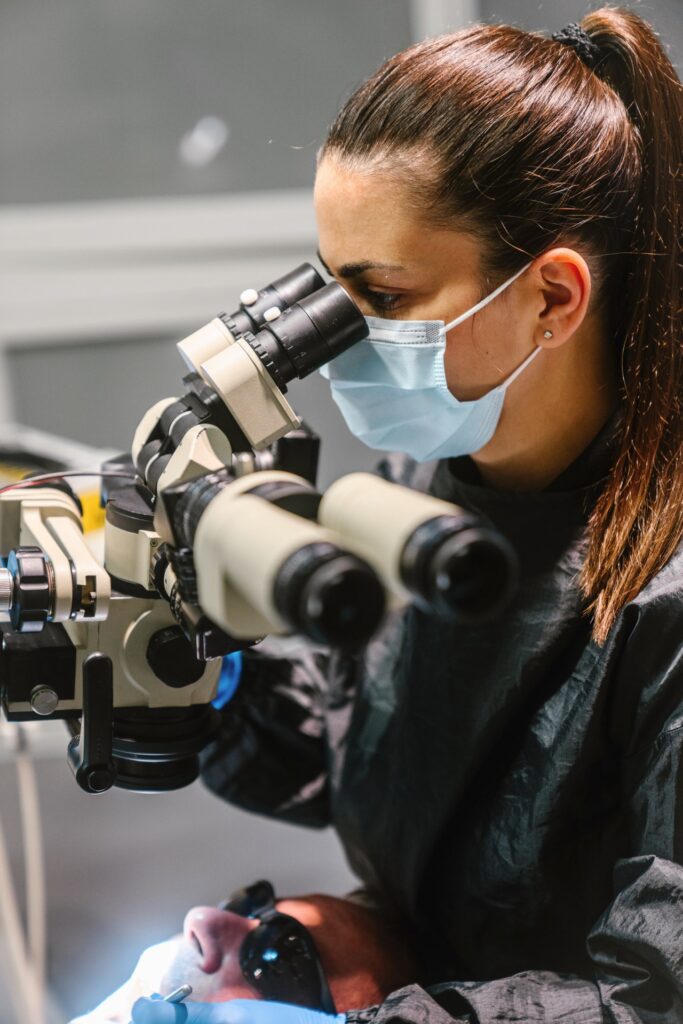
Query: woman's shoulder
{"points": [[665, 589], [651, 623], [649, 660]]}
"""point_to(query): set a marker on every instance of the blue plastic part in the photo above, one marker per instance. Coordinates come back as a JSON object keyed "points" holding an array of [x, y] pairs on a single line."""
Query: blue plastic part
{"points": [[229, 679]]}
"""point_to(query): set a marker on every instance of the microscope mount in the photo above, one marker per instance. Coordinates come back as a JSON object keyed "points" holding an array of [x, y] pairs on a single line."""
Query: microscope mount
{"points": [[215, 536]]}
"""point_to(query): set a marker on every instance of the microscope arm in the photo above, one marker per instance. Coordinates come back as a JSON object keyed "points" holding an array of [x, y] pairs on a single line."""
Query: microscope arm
{"points": [[57, 575], [130, 555]]}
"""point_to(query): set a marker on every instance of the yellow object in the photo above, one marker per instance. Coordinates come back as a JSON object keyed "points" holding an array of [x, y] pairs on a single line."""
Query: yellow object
{"points": [[9, 472], [93, 514]]}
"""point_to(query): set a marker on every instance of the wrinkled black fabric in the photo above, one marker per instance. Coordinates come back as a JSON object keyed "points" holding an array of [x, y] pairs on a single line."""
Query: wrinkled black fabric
{"points": [[511, 792]]}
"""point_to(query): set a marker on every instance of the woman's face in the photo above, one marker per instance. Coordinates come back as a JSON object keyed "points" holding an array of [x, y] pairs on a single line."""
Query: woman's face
{"points": [[397, 265]]}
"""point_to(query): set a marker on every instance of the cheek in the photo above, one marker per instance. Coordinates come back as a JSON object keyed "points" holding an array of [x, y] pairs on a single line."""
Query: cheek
{"points": [[484, 349], [230, 983], [228, 992], [226, 983], [472, 360]]}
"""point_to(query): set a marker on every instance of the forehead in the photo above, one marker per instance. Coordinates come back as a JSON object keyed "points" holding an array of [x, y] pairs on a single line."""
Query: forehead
{"points": [[365, 212]]}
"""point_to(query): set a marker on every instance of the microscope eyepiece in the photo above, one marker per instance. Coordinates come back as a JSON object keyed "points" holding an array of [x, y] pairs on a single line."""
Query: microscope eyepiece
{"points": [[329, 595], [308, 334], [271, 562], [247, 365], [279, 294], [256, 310], [445, 558], [454, 566]]}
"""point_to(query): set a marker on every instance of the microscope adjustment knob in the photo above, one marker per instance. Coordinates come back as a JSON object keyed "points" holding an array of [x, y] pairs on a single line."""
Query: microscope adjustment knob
{"points": [[255, 342], [44, 700], [182, 562], [6, 591], [32, 599], [172, 659]]}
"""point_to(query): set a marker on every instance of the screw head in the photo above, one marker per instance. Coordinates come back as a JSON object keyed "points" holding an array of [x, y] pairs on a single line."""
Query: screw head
{"points": [[99, 780], [44, 700]]}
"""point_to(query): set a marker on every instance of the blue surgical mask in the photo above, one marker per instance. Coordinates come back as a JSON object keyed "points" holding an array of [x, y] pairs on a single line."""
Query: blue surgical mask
{"points": [[391, 389]]}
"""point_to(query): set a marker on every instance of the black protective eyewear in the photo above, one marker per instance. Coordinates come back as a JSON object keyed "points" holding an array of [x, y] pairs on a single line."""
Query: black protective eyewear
{"points": [[279, 958]]}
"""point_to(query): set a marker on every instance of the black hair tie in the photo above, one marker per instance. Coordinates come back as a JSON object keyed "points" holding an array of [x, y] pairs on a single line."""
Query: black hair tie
{"points": [[581, 43]]}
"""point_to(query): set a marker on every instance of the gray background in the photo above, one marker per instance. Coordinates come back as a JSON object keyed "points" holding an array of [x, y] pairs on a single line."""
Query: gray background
{"points": [[101, 95], [103, 91], [96, 97]]}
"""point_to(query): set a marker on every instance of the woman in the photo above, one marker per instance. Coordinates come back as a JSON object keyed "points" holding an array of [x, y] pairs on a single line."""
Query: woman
{"points": [[510, 794]]}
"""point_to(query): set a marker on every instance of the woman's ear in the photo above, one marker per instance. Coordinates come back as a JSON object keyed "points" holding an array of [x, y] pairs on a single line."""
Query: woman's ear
{"points": [[563, 287]]}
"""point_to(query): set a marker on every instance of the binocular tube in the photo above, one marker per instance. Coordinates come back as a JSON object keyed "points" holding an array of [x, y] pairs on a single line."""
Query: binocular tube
{"points": [[426, 550]]}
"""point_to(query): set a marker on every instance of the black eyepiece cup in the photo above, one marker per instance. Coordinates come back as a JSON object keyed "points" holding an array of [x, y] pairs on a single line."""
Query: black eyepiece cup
{"points": [[458, 568], [330, 595], [309, 334]]}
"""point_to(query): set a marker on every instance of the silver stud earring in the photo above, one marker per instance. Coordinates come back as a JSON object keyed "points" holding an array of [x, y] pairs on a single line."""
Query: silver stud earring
{"points": [[547, 334]]}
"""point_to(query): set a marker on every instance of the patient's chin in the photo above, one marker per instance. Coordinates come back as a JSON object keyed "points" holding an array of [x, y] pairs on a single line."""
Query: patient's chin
{"points": [[225, 995]]}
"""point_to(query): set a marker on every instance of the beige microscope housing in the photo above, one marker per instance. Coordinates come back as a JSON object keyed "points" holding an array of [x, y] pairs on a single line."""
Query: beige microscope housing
{"points": [[241, 540]]}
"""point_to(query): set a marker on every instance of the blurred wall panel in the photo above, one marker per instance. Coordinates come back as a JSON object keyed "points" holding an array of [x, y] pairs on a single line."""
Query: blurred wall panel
{"points": [[110, 99], [96, 295], [432, 17], [128, 102]]}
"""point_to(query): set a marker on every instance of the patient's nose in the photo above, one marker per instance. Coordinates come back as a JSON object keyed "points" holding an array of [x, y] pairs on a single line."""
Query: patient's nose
{"points": [[215, 934]]}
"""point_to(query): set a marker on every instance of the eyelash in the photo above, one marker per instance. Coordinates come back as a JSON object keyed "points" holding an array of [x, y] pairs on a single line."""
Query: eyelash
{"points": [[382, 302]]}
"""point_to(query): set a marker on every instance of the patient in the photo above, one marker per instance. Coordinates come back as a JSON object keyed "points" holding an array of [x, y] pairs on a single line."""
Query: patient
{"points": [[346, 957]]}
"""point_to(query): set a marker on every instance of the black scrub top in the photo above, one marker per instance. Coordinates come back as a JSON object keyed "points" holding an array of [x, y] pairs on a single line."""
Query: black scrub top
{"points": [[511, 792]]}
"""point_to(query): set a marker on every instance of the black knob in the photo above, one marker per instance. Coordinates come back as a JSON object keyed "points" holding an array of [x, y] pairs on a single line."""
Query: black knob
{"points": [[172, 658], [32, 599]]}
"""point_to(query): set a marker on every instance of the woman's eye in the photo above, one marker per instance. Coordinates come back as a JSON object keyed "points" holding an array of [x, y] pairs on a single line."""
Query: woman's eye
{"points": [[382, 302]]}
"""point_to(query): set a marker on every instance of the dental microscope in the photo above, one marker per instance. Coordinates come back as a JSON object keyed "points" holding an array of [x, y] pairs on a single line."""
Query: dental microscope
{"points": [[216, 537]]}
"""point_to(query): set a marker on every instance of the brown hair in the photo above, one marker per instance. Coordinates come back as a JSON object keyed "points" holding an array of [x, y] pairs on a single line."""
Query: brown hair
{"points": [[528, 146]]}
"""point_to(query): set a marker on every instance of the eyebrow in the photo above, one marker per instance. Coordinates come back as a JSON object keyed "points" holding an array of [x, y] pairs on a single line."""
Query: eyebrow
{"points": [[353, 269]]}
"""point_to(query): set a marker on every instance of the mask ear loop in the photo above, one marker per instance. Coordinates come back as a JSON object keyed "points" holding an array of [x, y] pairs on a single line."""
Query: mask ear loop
{"points": [[515, 373], [485, 301]]}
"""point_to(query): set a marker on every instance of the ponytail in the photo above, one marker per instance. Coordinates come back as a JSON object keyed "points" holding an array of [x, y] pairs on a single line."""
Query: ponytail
{"points": [[637, 523], [530, 147]]}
